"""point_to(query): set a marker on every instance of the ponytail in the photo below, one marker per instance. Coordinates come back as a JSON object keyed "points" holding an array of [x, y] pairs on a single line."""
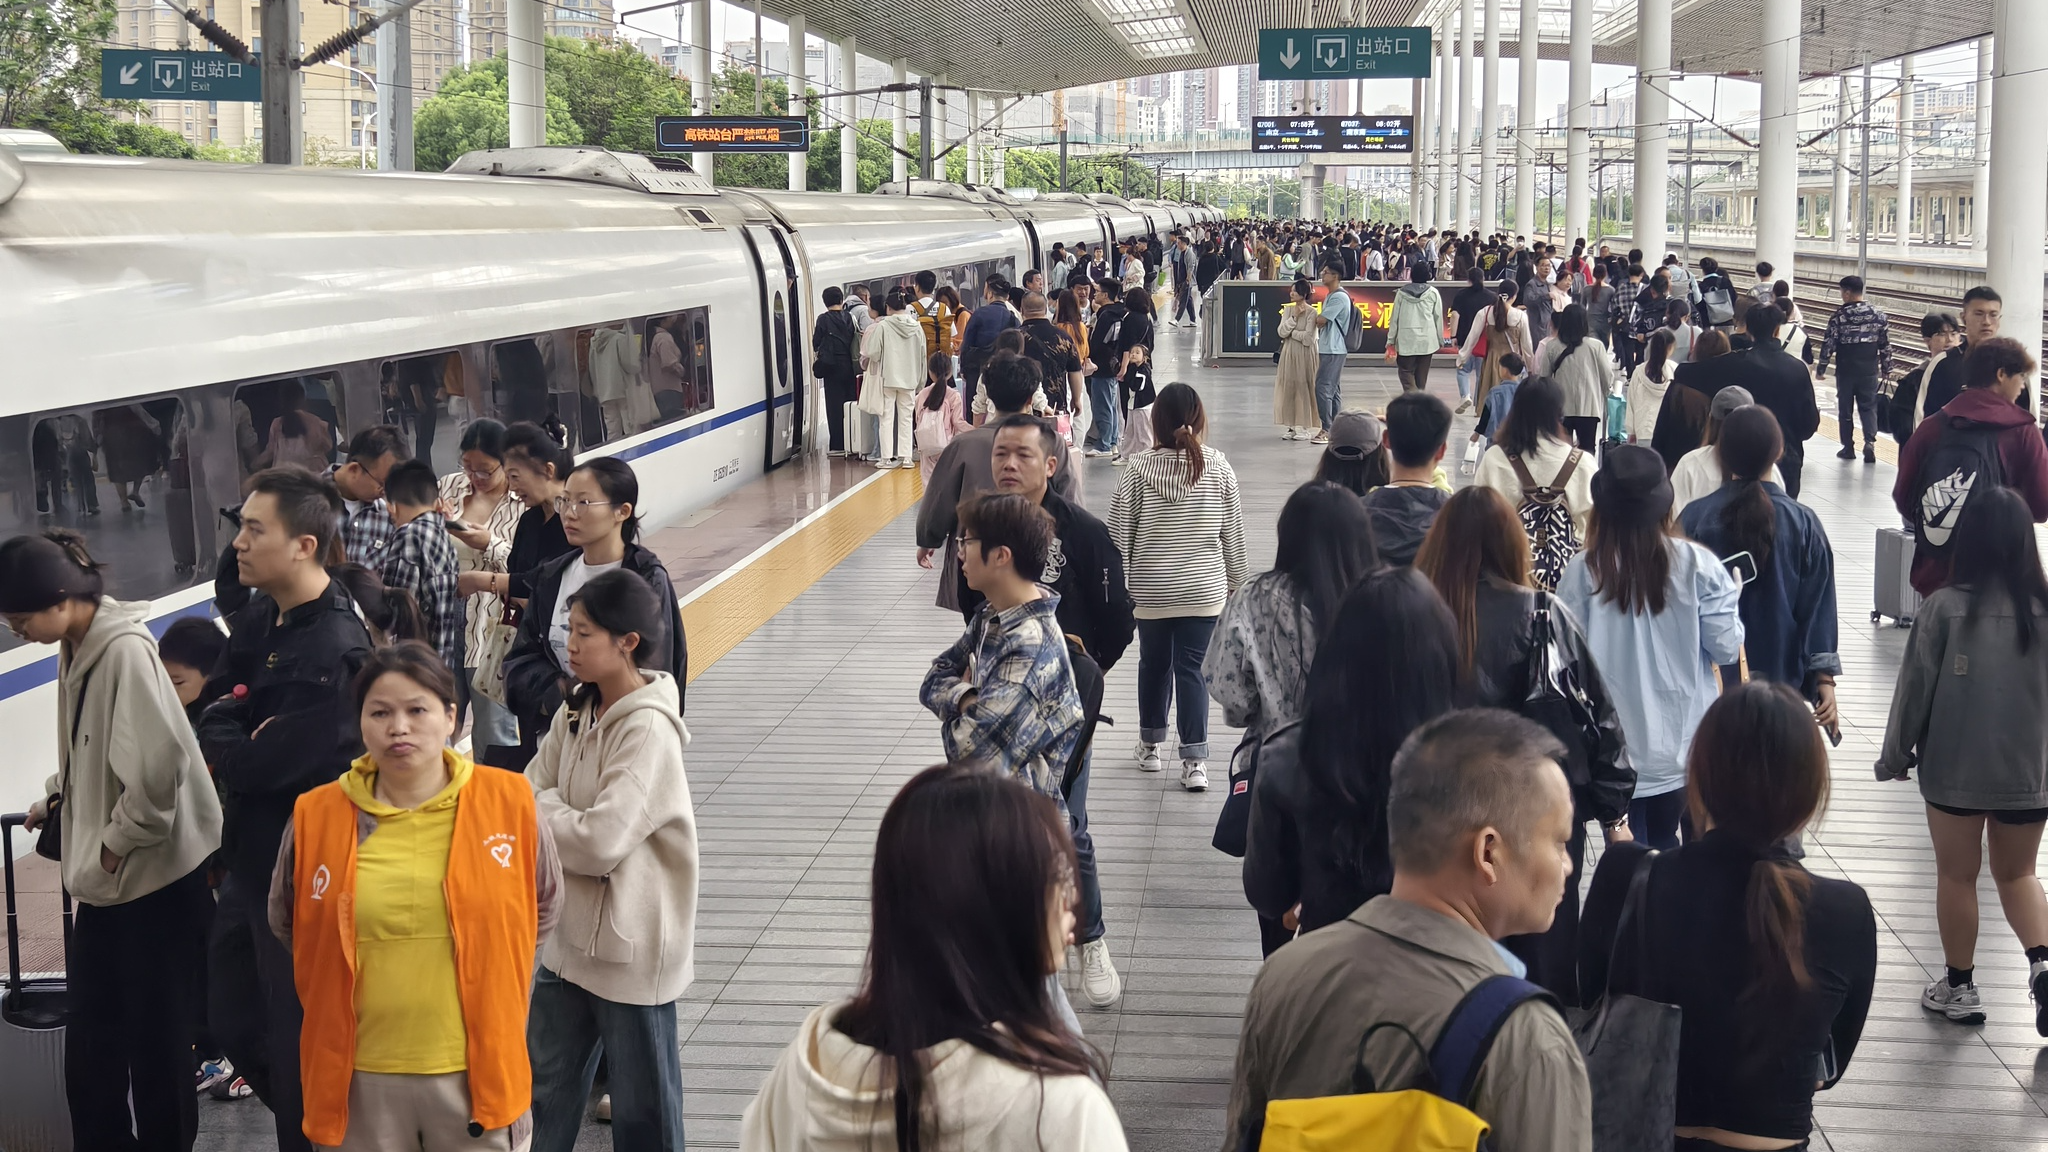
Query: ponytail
{"points": [[1749, 447], [1774, 912], [939, 367], [1178, 423]]}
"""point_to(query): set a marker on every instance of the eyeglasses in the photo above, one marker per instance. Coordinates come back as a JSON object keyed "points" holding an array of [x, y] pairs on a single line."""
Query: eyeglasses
{"points": [[573, 509], [484, 474], [963, 540]]}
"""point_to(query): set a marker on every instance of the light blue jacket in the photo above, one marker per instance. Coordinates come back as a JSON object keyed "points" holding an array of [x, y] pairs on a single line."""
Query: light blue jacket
{"points": [[1662, 666], [1330, 337]]}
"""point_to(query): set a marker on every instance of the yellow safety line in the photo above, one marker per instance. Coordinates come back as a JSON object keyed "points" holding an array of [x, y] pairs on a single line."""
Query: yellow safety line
{"points": [[717, 621]]}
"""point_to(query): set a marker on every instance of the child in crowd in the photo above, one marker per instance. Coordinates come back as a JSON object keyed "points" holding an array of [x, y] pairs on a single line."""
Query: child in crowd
{"points": [[1138, 393], [189, 649], [421, 558], [1498, 401], [939, 416]]}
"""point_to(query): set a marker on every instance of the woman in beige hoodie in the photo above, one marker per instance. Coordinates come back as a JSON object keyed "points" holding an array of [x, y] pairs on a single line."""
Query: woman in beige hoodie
{"points": [[609, 784], [954, 1031], [138, 819]]}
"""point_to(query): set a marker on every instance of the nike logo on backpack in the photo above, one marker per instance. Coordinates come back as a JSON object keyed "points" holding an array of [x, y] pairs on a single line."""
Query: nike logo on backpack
{"points": [[1942, 504]]}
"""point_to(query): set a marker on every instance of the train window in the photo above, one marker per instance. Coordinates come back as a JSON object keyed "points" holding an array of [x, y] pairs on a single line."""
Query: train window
{"points": [[121, 476], [519, 378], [781, 329], [614, 395], [295, 420], [677, 366], [422, 393]]}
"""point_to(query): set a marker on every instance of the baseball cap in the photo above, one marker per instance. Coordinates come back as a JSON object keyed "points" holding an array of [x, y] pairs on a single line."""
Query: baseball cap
{"points": [[1355, 435]]}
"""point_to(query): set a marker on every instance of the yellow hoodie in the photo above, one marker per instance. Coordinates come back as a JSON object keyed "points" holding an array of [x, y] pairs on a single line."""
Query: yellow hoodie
{"points": [[408, 1008]]}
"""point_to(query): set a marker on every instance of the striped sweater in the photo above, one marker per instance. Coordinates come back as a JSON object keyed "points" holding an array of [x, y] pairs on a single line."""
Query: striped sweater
{"points": [[1183, 542]]}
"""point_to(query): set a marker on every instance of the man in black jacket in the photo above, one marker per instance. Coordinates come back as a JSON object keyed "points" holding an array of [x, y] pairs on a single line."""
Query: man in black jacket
{"points": [[1086, 570], [283, 723], [835, 345], [1778, 380], [1983, 308]]}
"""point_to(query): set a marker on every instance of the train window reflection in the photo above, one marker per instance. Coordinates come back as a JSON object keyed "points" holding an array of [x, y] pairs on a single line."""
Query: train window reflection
{"points": [[292, 422], [677, 367], [416, 390]]}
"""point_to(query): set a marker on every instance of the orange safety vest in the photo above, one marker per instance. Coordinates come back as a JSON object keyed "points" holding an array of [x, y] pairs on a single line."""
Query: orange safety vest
{"points": [[492, 912]]}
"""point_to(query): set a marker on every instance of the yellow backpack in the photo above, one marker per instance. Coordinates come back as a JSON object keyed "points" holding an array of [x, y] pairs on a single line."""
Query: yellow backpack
{"points": [[1430, 1118], [937, 323]]}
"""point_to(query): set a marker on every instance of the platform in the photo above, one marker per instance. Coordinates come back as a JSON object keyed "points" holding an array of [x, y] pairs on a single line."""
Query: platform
{"points": [[808, 722]]}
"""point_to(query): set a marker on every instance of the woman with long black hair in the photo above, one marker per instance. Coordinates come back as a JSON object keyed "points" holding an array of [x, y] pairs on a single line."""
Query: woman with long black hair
{"points": [[600, 518], [1583, 370], [954, 1039], [1788, 610], [1771, 966], [1316, 848], [1970, 712], [1659, 613]]}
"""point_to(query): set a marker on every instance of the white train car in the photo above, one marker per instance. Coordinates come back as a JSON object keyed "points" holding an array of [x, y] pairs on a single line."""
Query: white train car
{"points": [[160, 315]]}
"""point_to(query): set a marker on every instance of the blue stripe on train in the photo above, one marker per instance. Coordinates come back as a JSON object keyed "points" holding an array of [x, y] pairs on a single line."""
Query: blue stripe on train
{"points": [[34, 675]]}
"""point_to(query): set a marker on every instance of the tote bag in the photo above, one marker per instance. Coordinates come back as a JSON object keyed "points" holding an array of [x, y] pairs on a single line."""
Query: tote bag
{"points": [[1630, 1044]]}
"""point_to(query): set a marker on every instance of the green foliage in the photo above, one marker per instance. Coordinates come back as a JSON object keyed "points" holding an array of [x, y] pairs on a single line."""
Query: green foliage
{"points": [[92, 130], [50, 57], [613, 92], [473, 110]]}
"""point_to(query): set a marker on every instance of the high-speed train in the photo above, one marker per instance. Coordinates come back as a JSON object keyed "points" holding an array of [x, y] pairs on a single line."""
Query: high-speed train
{"points": [[157, 319]]}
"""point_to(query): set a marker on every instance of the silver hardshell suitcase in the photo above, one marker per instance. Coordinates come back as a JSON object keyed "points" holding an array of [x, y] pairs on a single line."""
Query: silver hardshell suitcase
{"points": [[1893, 578], [34, 1116]]}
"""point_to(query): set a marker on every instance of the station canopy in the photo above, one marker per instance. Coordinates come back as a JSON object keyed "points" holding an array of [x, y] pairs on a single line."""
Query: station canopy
{"points": [[1040, 45]]}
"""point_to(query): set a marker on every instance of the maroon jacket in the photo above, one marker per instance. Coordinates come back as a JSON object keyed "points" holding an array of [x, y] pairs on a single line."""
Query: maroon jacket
{"points": [[2021, 454]]}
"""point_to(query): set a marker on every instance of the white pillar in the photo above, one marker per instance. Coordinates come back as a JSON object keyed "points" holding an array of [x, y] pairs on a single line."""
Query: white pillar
{"points": [[394, 95], [1425, 155], [700, 76], [1489, 123], [1838, 208], [1461, 207], [1445, 139], [1418, 152], [1578, 191], [849, 111], [1905, 123], [799, 78], [1980, 183], [525, 84], [1652, 131], [1525, 122], [899, 164], [2019, 155], [1777, 169], [974, 138], [996, 175]]}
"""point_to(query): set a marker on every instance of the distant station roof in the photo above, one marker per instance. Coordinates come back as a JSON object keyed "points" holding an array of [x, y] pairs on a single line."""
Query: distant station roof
{"points": [[1041, 45]]}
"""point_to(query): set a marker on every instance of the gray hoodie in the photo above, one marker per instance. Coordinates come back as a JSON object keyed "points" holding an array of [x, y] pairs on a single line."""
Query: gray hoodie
{"points": [[1970, 710], [133, 779], [1182, 538]]}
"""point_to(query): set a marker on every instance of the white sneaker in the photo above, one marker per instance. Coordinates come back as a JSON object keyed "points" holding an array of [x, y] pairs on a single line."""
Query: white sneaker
{"points": [[1148, 757], [1099, 981], [602, 1113], [1194, 776], [1958, 1004]]}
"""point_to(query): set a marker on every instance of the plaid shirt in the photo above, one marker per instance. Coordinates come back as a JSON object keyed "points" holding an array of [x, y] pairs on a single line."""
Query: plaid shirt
{"points": [[1858, 323], [365, 532], [1026, 717], [421, 560]]}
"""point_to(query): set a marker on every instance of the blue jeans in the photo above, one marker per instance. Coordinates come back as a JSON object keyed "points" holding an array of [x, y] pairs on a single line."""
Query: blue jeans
{"points": [[1087, 917], [1329, 386], [1102, 433], [1170, 665], [567, 1029], [1653, 820], [1466, 377]]}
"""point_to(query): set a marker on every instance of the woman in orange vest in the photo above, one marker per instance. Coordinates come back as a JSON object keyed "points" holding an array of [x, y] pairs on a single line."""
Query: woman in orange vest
{"points": [[413, 893]]}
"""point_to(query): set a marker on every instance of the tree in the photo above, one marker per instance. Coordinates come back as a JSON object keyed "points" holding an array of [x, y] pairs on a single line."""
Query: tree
{"points": [[473, 110], [613, 92], [50, 79]]}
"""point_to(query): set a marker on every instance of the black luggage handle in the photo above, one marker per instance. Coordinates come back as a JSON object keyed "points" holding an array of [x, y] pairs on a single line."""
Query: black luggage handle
{"points": [[8, 823]]}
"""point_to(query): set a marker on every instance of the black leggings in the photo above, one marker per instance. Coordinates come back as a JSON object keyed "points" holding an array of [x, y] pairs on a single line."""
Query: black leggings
{"points": [[1585, 430]]}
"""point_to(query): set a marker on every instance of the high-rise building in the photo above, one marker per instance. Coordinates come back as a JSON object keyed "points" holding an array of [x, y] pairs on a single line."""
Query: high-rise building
{"points": [[576, 19]]}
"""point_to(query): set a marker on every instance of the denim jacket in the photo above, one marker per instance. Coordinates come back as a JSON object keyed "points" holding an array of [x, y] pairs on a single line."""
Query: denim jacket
{"points": [[1026, 716]]}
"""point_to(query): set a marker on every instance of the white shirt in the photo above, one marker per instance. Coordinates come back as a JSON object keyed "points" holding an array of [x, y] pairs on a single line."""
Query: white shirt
{"points": [[574, 577], [1699, 473]]}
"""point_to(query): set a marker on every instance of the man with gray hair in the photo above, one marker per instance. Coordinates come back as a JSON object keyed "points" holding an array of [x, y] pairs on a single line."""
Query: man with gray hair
{"points": [[1479, 815]]}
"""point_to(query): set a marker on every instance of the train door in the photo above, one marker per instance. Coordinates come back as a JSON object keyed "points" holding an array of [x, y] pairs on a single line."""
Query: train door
{"points": [[782, 341], [1031, 242]]}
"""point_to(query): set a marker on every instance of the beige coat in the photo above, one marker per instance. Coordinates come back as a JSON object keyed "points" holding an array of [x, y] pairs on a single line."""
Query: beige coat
{"points": [[1294, 390]]}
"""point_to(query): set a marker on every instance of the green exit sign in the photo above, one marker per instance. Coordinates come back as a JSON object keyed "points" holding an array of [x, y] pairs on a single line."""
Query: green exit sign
{"points": [[1344, 53]]}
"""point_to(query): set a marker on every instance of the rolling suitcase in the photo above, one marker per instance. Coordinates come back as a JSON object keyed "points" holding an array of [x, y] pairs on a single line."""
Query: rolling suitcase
{"points": [[1893, 578], [34, 1116]]}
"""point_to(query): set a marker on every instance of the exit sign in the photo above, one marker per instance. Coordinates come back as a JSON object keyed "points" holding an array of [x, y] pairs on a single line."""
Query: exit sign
{"points": [[131, 74], [1344, 53]]}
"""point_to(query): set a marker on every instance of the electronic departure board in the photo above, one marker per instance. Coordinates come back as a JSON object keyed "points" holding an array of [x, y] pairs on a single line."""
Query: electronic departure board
{"points": [[1333, 133], [732, 134]]}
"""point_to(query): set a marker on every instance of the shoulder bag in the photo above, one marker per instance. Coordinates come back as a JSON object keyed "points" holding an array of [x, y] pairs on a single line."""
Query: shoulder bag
{"points": [[1630, 1042], [1234, 822]]}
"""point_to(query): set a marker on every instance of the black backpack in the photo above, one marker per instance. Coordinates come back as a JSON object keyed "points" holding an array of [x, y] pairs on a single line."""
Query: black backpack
{"points": [[1963, 460], [832, 348], [1088, 686]]}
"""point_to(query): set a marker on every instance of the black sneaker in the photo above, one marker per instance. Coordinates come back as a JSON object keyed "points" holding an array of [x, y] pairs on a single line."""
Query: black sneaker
{"points": [[1847, 453], [1870, 453], [2037, 985]]}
